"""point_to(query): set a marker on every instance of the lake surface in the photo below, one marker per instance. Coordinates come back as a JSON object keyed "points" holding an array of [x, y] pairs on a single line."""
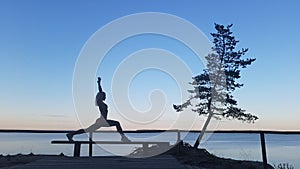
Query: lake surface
{"points": [[280, 148]]}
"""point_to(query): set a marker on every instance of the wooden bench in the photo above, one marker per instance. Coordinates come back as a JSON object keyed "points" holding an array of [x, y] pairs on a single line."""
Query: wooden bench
{"points": [[77, 144]]}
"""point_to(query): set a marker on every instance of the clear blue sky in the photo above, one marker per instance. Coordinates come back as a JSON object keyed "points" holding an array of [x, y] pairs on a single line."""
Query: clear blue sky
{"points": [[41, 40]]}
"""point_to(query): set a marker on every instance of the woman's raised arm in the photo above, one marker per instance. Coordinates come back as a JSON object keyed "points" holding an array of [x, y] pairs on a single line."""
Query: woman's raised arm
{"points": [[99, 84]]}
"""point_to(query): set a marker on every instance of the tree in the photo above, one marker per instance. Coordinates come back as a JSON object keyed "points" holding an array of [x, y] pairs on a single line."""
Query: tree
{"points": [[215, 86]]}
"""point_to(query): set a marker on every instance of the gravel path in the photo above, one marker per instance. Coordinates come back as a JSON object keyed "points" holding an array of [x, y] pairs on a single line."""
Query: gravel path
{"points": [[56, 162]]}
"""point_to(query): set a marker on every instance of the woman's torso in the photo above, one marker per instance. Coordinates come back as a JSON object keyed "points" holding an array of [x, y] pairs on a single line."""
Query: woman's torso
{"points": [[103, 109]]}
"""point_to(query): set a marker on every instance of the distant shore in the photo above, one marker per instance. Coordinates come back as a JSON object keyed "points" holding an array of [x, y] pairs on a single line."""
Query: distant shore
{"points": [[155, 130]]}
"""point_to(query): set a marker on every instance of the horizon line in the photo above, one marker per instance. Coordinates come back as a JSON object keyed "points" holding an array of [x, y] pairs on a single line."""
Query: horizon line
{"points": [[157, 130]]}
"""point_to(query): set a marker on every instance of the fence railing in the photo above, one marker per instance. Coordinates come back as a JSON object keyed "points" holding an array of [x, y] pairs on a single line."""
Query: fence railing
{"points": [[260, 132]]}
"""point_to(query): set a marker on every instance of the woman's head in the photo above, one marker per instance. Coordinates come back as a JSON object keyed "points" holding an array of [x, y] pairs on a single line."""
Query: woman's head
{"points": [[101, 96]]}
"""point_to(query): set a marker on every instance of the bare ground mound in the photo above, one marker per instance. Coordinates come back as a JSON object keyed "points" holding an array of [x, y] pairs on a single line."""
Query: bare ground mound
{"points": [[186, 154]]}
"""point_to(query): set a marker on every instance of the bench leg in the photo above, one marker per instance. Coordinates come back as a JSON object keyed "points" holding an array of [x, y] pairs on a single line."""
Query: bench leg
{"points": [[145, 149], [91, 145], [77, 149]]}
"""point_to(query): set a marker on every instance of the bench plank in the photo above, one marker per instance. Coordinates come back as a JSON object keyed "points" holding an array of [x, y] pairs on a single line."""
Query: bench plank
{"points": [[107, 142], [77, 144]]}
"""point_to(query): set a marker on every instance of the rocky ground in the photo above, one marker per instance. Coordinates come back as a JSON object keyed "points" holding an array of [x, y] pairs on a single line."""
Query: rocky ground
{"points": [[184, 153], [201, 158], [19, 159]]}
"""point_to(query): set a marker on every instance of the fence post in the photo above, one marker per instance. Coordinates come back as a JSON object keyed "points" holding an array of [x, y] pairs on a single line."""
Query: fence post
{"points": [[91, 144], [77, 149], [263, 149], [178, 136]]}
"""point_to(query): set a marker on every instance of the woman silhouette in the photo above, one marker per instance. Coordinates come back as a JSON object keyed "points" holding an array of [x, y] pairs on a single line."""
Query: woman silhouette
{"points": [[102, 121]]}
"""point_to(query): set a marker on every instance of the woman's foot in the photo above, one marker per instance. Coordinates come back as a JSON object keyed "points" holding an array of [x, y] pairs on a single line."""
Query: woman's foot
{"points": [[70, 137], [125, 139]]}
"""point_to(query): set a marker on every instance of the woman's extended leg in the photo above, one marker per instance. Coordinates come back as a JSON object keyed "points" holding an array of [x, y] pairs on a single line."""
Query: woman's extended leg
{"points": [[119, 129], [92, 128]]}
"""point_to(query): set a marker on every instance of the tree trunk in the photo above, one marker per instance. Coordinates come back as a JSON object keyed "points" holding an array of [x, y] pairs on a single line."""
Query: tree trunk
{"points": [[198, 141]]}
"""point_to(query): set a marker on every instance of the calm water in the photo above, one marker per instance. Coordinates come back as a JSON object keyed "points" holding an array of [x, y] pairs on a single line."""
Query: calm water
{"points": [[280, 148]]}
